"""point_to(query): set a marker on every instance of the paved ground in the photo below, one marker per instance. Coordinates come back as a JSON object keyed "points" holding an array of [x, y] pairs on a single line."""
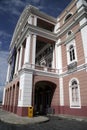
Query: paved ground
{"points": [[11, 118], [54, 123]]}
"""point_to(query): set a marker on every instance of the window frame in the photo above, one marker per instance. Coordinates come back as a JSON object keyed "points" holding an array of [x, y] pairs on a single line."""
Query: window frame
{"points": [[71, 43], [72, 53], [66, 19], [68, 35], [74, 104]]}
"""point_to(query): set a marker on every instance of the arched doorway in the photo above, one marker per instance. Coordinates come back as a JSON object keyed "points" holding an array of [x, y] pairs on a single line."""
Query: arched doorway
{"points": [[44, 91]]}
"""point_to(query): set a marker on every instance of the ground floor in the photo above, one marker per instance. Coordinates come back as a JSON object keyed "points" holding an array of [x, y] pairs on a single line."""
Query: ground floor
{"points": [[11, 121], [47, 94]]}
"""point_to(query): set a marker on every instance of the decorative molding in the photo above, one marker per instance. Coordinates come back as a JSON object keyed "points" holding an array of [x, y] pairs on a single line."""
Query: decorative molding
{"points": [[72, 66]]}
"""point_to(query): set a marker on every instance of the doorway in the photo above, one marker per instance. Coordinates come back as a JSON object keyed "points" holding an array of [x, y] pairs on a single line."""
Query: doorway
{"points": [[43, 96]]}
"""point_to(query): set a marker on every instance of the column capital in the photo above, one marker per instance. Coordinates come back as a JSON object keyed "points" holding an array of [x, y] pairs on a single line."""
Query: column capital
{"points": [[28, 34], [34, 35]]}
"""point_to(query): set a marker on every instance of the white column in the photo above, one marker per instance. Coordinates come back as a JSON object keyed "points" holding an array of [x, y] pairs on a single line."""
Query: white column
{"points": [[3, 97], [27, 50], [53, 61], [8, 73], [80, 4], [84, 29], [34, 49], [58, 57], [16, 63], [20, 58], [35, 20]]}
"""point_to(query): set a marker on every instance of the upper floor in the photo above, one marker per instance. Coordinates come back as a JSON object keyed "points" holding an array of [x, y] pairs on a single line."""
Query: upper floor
{"points": [[43, 44]]}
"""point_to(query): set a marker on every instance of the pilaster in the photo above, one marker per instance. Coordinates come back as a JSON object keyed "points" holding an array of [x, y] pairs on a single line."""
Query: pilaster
{"points": [[61, 91]]}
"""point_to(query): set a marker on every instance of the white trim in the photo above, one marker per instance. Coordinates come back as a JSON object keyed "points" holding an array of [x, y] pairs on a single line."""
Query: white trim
{"points": [[61, 91], [84, 37], [79, 4], [25, 90]]}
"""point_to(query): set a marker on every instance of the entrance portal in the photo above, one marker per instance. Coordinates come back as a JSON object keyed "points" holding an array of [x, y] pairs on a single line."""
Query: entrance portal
{"points": [[43, 96]]}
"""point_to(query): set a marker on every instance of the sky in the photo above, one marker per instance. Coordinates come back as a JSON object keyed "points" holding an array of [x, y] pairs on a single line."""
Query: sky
{"points": [[10, 11]]}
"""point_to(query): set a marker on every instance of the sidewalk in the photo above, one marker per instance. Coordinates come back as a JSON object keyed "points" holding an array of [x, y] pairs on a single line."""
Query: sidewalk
{"points": [[15, 119], [71, 117]]}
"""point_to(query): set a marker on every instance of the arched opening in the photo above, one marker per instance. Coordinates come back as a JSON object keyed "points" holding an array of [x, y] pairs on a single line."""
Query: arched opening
{"points": [[16, 97], [13, 95], [44, 92], [68, 17]]}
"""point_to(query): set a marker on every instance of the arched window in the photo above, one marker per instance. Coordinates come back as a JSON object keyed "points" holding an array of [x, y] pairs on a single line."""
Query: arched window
{"points": [[69, 33], [72, 53], [74, 93], [68, 17]]}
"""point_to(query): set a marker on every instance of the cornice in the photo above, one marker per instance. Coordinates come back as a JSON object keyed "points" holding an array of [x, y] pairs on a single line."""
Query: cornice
{"points": [[37, 72], [41, 14], [75, 70], [75, 21], [23, 19], [42, 32], [37, 31]]}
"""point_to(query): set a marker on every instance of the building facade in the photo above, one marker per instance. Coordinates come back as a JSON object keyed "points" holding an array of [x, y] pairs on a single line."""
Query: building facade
{"points": [[47, 63]]}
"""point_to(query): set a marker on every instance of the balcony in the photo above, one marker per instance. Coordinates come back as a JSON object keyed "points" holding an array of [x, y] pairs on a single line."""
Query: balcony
{"points": [[72, 66], [40, 68]]}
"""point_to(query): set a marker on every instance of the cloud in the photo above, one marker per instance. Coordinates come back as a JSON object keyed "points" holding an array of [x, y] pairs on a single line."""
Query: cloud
{"points": [[5, 39], [4, 34], [0, 43], [18, 3], [36, 1], [1, 93], [3, 67], [11, 6]]}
